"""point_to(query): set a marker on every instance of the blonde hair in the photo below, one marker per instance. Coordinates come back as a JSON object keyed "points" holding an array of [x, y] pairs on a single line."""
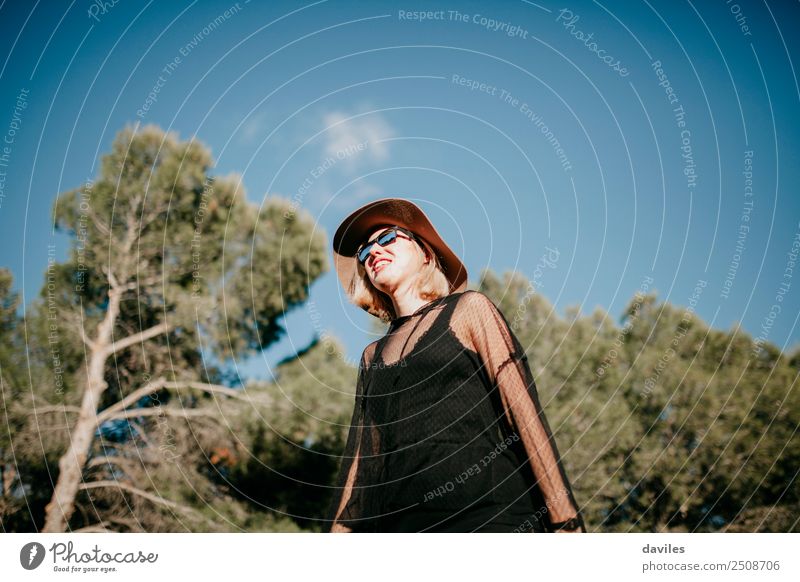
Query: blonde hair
{"points": [[431, 284]]}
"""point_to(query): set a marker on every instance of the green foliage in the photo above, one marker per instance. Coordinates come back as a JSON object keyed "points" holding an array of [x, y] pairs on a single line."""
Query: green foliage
{"points": [[25, 382], [663, 423], [297, 438], [700, 438], [203, 275]]}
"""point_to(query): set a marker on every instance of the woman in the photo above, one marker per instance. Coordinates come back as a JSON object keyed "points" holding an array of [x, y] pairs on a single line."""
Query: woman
{"points": [[447, 434]]}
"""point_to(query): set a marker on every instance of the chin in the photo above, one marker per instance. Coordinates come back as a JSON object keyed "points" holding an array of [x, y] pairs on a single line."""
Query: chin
{"points": [[381, 283], [381, 273]]}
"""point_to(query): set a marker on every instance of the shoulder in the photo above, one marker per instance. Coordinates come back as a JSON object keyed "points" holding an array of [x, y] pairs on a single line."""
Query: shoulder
{"points": [[480, 314], [474, 302], [368, 354], [474, 313]]}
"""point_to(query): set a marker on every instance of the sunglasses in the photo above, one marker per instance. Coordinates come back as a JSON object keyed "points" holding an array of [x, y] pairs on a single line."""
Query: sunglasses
{"points": [[386, 237]]}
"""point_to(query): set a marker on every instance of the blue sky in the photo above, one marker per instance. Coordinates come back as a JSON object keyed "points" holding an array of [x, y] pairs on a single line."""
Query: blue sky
{"points": [[501, 120]]}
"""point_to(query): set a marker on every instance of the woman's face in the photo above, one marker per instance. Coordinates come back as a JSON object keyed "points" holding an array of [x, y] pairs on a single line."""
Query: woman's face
{"points": [[398, 261]]}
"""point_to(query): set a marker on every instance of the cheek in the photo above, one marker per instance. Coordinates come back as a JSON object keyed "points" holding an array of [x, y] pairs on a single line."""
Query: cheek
{"points": [[407, 264]]}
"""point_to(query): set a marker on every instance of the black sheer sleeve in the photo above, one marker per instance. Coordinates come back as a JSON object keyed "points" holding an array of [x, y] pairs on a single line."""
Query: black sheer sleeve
{"points": [[345, 507], [481, 326]]}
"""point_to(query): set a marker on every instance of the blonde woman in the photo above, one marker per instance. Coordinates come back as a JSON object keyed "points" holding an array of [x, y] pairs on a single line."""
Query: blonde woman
{"points": [[447, 433]]}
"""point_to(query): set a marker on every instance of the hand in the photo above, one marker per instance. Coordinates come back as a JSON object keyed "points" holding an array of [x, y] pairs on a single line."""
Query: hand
{"points": [[339, 528], [578, 530], [572, 525]]}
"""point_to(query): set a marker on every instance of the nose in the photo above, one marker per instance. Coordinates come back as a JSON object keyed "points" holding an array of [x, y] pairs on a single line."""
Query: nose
{"points": [[375, 253]]}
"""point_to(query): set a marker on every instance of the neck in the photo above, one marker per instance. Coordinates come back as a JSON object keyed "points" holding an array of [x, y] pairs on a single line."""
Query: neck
{"points": [[407, 304]]}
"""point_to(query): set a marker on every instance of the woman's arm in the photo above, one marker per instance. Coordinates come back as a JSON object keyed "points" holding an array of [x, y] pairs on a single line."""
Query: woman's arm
{"points": [[348, 491], [506, 366], [341, 508]]}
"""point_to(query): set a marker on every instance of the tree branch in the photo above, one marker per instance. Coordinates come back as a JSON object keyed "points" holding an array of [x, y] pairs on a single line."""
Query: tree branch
{"points": [[112, 280], [134, 412], [135, 491], [120, 409], [146, 495], [142, 336], [55, 408], [95, 528], [130, 400], [98, 222], [77, 321], [210, 388], [89, 343], [104, 460]]}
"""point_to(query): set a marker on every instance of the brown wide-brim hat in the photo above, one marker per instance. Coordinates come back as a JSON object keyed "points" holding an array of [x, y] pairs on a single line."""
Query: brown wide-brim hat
{"points": [[391, 212]]}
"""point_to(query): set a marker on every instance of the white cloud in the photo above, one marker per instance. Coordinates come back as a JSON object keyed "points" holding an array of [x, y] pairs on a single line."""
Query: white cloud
{"points": [[357, 139], [253, 127], [360, 193]]}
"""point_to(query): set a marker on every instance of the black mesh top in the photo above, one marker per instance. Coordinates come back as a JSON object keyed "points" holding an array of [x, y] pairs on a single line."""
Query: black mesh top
{"points": [[447, 433]]}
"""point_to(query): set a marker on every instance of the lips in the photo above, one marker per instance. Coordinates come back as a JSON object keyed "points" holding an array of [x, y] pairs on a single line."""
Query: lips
{"points": [[379, 265]]}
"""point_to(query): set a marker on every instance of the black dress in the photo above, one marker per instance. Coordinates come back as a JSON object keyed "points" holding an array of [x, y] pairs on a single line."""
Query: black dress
{"points": [[447, 434]]}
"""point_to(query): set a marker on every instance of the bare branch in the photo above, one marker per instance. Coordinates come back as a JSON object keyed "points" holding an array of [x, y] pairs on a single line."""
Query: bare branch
{"points": [[135, 491], [95, 528], [89, 343], [112, 280], [136, 338], [130, 399], [146, 495], [98, 461], [98, 222], [211, 388], [76, 321], [55, 408], [185, 413], [120, 409]]}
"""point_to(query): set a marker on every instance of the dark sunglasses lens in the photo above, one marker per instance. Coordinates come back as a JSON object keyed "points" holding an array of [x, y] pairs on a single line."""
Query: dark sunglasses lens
{"points": [[383, 239]]}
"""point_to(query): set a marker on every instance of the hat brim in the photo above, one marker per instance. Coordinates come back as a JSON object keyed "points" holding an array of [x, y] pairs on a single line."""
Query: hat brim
{"points": [[391, 212]]}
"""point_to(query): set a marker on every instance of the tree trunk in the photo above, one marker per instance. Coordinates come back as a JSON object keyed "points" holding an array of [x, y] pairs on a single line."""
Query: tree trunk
{"points": [[8, 474], [70, 465]]}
